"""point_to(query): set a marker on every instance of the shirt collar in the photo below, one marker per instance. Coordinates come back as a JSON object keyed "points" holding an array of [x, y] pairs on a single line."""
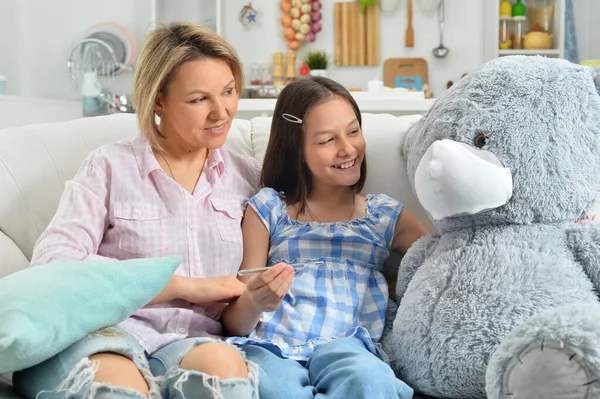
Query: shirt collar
{"points": [[147, 162], [215, 161], [144, 157]]}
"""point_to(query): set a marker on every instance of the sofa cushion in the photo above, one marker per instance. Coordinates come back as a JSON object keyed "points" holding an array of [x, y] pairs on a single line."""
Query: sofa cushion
{"points": [[45, 309], [12, 258], [35, 162]]}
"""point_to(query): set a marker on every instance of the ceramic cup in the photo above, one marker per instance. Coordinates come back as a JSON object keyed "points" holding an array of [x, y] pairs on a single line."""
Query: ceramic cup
{"points": [[375, 86]]}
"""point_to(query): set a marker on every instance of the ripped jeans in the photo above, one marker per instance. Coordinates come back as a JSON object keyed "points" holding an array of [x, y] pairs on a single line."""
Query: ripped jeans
{"points": [[70, 374]]}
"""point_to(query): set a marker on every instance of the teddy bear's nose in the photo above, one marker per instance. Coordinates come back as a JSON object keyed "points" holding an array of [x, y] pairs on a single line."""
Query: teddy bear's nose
{"points": [[455, 179]]}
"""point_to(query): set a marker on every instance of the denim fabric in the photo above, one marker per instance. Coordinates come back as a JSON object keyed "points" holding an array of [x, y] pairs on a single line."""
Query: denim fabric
{"points": [[180, 384], [340, 369], [70, 374]]}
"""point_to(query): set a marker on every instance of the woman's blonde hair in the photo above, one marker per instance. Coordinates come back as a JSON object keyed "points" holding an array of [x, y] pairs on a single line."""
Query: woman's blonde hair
{"points": [[164, 50]]}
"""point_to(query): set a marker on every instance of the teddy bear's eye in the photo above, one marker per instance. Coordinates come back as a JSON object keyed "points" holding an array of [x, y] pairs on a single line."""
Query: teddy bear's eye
{"points": [[480, 140]]}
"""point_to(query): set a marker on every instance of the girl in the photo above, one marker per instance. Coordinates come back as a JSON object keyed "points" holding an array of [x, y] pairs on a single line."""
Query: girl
{"points": [[318, 331]]}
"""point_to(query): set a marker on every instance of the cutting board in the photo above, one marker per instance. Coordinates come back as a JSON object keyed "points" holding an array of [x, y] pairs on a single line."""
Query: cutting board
{"points": [[356, 34], [404, 67]]}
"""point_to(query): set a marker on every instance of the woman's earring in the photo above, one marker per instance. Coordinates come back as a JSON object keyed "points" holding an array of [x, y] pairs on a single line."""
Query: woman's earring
{"points": [[157, 116]]}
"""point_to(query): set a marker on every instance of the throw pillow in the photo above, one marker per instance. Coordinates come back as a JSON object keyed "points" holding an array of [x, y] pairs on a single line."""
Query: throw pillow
{"points": [[45, 309]]}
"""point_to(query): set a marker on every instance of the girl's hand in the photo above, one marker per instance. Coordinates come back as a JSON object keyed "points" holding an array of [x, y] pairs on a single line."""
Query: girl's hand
{"points": [[266, 290], [204, 291]]}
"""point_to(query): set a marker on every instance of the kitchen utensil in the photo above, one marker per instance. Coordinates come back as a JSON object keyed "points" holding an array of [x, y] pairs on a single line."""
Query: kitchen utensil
{"points": [[441, 51], [290, 67], [518, 9], [409, 40], [278, 78], [505, 8], [248, 272], [107, 50], [356, 34], [537, 40], [375, 86], [404, 68]]}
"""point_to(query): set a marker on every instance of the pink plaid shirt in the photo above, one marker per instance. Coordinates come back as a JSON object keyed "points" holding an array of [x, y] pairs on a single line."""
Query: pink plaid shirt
{"points": [[121, 205]]}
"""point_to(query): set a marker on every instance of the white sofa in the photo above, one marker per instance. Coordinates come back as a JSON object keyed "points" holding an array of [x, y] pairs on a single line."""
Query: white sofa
{"points": [[36, 160]]}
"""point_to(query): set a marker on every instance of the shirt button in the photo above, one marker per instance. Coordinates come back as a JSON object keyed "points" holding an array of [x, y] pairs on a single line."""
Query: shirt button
{"points": [[190, 228], [181, 330], [194, 273]]}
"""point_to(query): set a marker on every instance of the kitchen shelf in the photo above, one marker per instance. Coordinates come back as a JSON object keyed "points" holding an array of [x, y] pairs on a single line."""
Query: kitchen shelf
{"points": [[491, 11], [551, 52], [265, 106]]}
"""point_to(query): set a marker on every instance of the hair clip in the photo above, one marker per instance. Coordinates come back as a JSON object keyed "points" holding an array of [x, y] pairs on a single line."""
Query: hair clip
{"points": [[291, 118]]}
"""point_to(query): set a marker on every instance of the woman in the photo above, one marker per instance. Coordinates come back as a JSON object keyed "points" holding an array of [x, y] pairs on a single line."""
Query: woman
{"points": [[171, 190]]}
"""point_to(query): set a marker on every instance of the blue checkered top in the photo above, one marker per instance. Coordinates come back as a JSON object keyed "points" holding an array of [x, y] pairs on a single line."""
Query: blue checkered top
{"points": [[346, 295]]}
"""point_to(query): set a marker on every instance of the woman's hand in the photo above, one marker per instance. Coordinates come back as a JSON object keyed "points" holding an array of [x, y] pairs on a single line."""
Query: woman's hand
{"points": [[266, 290], [203, 291]]}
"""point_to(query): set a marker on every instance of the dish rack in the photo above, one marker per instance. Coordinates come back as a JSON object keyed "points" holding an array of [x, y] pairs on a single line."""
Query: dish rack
{"points": [[108, 50]]}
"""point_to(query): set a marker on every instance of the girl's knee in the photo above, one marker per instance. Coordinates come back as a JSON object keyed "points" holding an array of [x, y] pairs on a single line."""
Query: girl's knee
{"points": [[118, 370], [217, 359]]}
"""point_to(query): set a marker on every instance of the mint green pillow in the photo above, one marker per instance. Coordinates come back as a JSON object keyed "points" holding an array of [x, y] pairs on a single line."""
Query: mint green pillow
{"points": [[45, 309]]}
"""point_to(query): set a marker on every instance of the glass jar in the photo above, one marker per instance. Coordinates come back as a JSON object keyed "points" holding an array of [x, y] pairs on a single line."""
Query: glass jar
{"points": [[540, 14], [265, 75], [518, 30], [504, 39], [255, 75]]}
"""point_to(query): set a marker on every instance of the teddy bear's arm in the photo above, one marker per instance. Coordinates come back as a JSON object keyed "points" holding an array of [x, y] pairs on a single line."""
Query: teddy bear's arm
{"points": [[584, 242], [412, 260]]}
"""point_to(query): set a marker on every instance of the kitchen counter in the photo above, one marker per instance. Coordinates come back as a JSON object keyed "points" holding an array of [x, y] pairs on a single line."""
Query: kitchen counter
{"points": [[19, 111], [396, 106]]}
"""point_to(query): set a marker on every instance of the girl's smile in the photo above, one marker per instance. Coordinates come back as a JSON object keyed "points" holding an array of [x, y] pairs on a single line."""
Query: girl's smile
{"points": [[346, 165]]}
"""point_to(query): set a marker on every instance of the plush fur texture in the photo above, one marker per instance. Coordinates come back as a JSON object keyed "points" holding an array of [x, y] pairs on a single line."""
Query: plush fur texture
{"points": [[502, 278]]}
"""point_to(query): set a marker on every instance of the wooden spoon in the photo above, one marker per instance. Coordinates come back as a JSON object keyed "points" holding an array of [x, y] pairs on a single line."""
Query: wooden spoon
{"points": [[410, 33]]}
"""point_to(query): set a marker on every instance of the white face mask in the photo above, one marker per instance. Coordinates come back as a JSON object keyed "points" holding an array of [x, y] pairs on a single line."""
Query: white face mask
{"points": [[455, 179]]}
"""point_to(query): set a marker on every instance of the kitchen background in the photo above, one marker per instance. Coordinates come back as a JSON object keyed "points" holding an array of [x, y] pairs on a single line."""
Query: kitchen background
{"points": [[36, 37]]}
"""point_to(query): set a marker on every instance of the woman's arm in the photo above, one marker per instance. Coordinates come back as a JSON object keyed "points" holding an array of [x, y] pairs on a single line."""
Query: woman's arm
{"points": [[264, 291], [201, 291], [78, 226]]}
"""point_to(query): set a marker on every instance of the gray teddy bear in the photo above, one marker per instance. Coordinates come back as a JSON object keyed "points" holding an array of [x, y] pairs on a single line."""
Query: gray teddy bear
{"points": [[503, 302]]}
